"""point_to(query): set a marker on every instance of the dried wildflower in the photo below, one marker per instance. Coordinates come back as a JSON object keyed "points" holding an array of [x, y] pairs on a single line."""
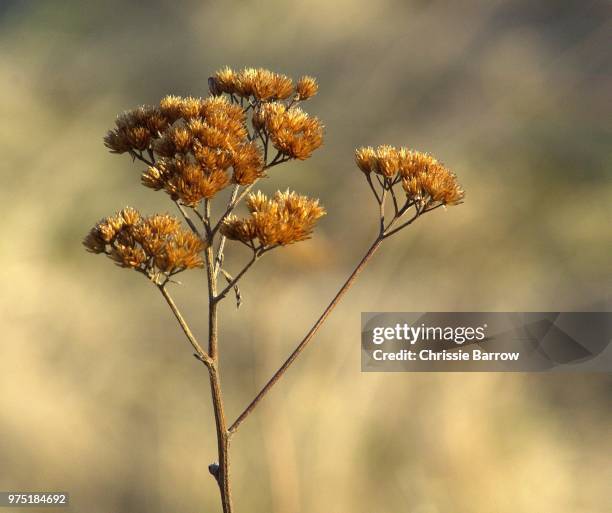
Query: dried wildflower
{"points": [[223, 81], [306, 88], [212, 158], [292, 132], [220, 105], [424, 179], [195, 147], [177, 107], [135, 129], [261, 84], [185, 180], [154, 244], [177, 139], [248, 164], [437, 186], [284, 219], [384, 160]]}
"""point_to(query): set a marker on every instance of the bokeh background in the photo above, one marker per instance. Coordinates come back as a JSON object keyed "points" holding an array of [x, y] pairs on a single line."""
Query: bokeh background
{"points": [[99, 394]]}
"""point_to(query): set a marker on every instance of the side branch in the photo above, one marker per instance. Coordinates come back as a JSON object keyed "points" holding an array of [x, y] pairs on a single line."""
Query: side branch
{"points": [[188, 220], [219, 257], [257, 254], [234, 281], [200, 353], [306, 340]]}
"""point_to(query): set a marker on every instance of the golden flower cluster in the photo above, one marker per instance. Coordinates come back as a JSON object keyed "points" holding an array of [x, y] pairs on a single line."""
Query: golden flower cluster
{"points": [[153, 244], [292, 132], [424, 179], [278, 221], [197, 142], [261, 85], [135, 129], [195, 147]]}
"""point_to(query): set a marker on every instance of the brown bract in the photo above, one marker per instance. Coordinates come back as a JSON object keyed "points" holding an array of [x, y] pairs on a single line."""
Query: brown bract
{"points": [[283, 219], [153, 245], [423, 178]]}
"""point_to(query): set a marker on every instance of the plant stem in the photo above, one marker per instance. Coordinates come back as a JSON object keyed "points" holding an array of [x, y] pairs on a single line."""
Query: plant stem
{"points": [[305, 341], [219, 259], [223, 440], [187, 218], [223, 474], [201, 354]]}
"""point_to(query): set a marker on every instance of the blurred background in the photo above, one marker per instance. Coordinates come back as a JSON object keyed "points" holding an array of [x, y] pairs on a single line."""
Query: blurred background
{"points": [[99, 393]]}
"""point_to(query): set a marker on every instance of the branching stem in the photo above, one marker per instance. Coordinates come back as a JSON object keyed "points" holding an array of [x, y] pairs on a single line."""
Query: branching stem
{"points": [[307, 338]]}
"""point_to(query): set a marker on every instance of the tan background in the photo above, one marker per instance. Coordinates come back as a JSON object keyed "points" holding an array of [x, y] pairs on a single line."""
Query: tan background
{"points": [[100, 396]]}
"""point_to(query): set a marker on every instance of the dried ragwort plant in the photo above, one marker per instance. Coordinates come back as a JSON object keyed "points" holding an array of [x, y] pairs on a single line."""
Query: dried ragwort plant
{"points": [[194, 148]]}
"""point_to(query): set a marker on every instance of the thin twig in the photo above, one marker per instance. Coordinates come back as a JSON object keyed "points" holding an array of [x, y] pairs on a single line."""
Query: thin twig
{"points": [[201, 354], [410, 221], [140, 157], [219, 258], [382, 210], [418, 214], [233, 282], [188, 220], [395, 205], [373, 189], [257, 253]]}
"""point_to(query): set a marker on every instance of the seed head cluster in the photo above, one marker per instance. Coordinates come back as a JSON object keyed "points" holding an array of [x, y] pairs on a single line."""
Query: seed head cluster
{"points": [[261, 85], [283, 219], [153, 245], [424, 180], [292, 132], [196, 147]]}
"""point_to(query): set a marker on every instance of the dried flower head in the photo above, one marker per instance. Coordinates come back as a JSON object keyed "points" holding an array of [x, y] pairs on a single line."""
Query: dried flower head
{"points": [[185, 180], [195, 154], [292, 132], [384, 160], [178, 107], [135, 129], [259, 83], [152, 245], [423, 178], [306, 88], [278, 221], [247, 163]]}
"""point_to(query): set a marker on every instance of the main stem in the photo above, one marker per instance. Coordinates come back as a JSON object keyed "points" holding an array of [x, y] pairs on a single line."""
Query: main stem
{"points": [[222, 474]]}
